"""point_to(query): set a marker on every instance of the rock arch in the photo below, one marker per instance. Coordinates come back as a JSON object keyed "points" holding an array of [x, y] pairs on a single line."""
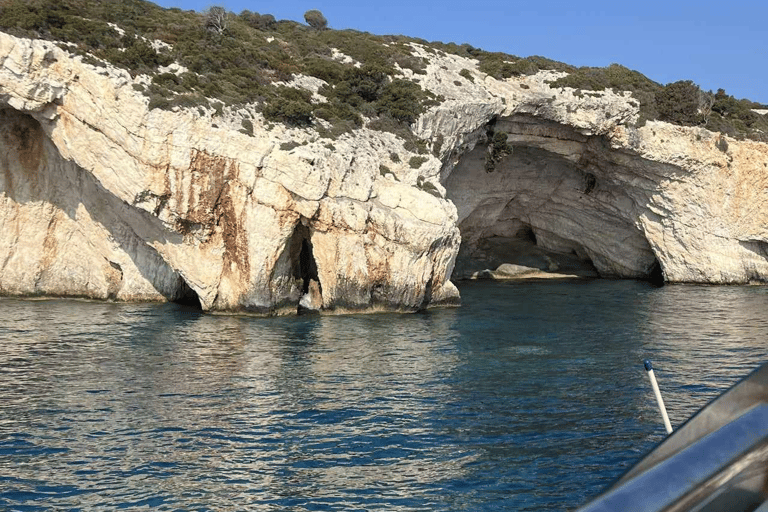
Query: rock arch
{"points": [[554, 202]]}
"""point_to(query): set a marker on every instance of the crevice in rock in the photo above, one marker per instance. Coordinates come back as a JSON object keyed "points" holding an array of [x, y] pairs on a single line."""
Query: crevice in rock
{"points": [[307, 265], [427, 295], [115, 280], [304, 270], [526, 233]]}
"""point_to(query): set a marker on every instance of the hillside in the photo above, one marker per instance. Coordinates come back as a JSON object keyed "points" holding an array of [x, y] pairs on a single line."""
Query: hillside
{"points": [[242, 163], [217, 58]]}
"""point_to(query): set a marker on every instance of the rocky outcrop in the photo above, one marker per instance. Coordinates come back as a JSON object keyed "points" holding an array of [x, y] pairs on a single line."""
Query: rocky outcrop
{"points": [[101, 197], [581, 189]]}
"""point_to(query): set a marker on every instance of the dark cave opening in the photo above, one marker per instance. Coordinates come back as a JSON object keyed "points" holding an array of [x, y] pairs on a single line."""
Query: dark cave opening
{"points": [[303, 268], [307, 270], [186, 296], [303, 265], [656, 274], [526, 233]]}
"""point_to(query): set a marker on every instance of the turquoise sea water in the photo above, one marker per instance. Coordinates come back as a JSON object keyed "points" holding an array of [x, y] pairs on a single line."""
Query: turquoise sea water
{"points": [[531, 396]]}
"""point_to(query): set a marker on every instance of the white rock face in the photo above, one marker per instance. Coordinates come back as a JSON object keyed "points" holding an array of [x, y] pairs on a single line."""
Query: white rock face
{"points": [[582, 183], [101, 197]]}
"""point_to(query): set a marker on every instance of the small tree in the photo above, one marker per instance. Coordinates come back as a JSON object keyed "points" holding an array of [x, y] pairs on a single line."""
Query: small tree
{"points": [[258, 21], [315, 19], [706, 102], [215, 19], [678, 103], [401, 100]]}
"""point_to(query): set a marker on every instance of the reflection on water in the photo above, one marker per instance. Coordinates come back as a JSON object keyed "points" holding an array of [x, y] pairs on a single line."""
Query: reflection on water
{"points": [[529, 397]]}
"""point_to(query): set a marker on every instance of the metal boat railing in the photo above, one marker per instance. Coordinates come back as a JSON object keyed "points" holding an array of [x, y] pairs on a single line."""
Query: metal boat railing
{"points": [[715, 462]]}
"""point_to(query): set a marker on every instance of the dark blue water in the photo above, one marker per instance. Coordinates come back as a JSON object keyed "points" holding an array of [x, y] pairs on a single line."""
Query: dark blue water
{"points": [[531, 396]]}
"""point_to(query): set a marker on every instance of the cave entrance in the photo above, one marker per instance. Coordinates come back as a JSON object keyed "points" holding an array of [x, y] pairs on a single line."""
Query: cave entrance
{"points": [[186, 296], [304, 269], [307, 268], [518, 243], [526, 233], [656, 274]]}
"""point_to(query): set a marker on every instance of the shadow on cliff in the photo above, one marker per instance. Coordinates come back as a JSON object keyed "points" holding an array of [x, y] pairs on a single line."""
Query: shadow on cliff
{"points": [[539, 194]]}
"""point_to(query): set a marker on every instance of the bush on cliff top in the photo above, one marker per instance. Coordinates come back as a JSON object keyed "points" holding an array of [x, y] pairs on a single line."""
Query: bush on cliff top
{"points": [[243, 62], [681, 102], [248, 58]]}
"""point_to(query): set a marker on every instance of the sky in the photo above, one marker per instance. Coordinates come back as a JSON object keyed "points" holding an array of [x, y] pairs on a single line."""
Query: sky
{"points": [[717, 44]]}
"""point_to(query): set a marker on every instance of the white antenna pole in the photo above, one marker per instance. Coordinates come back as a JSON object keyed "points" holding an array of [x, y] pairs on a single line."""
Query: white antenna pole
{"points": [[655, 386]]}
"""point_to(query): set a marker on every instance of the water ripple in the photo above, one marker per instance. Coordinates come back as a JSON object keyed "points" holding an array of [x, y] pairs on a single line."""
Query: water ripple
{"points": [[529, 397]]}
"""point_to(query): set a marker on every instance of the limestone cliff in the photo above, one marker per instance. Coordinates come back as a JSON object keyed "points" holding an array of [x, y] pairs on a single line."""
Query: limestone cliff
{"points": [[102, 197]]}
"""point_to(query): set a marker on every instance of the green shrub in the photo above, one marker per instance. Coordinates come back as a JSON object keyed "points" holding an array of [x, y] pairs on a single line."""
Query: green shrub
{"points": [[428, 187], [415, 144], [338, 128], [218, 107], [315, 19], [290, 106], [617, 78], [500, 66], [497, 66], [403, 57], [543, 63], [370, 91], [336, 111], [159, 101], [402, 100], [258, 21], [437, 145], [363, 84], [678, 103], [498, 149], [467, 74], [324, 68], [416, 161], [287, 146], [169, 81], [189, 100], [247, 125], [21, 18]]}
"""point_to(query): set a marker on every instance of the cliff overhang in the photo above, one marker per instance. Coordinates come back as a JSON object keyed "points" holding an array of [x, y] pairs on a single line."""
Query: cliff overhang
{"points": [[102, 197]]}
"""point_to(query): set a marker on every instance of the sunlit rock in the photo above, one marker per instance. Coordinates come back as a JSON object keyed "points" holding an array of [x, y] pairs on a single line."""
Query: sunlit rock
{"points": [[101, 197]]}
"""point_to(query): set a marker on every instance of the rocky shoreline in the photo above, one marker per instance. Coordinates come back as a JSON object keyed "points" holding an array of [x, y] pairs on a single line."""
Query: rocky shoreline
{"points": [[104, 198]]}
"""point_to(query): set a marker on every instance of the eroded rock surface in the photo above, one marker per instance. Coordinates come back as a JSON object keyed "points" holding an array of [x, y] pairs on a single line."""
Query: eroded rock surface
{"points": [[583, 188], [101, 197]]}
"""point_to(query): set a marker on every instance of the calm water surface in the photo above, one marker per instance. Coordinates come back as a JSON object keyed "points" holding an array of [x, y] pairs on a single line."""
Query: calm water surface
{"points": [[530, 397]]}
